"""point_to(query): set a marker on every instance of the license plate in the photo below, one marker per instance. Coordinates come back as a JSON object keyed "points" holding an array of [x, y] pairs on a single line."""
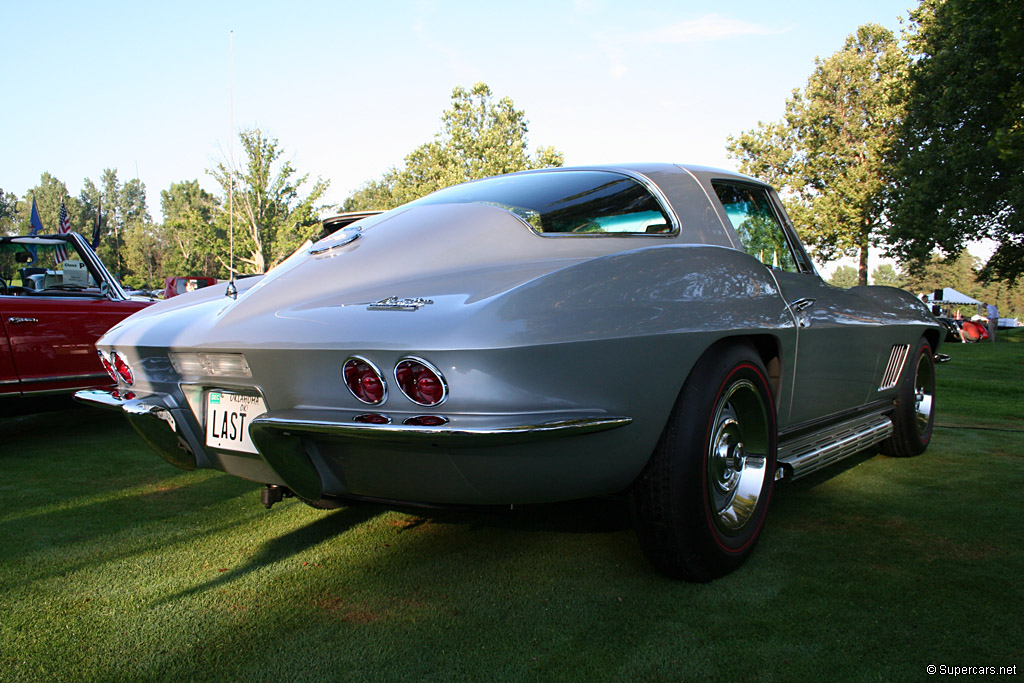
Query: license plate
{"points": [[228, 417]]}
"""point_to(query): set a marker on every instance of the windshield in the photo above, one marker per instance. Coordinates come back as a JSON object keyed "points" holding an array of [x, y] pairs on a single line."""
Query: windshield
{"points": [[35, 265], [566, 202]]}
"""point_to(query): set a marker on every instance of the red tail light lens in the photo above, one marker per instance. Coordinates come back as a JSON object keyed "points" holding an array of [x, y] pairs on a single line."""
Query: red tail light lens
{"points": [[122, 369], [372, 419], [107, 366], [364, 381], [421, 382], [426, 421]]}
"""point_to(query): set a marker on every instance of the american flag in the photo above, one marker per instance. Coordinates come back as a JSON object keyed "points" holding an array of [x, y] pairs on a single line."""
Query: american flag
{"points": [[60, 254]]}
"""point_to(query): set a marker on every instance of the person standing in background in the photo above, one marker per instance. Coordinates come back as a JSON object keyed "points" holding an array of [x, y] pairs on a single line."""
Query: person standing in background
{"points": [[993, 321]]}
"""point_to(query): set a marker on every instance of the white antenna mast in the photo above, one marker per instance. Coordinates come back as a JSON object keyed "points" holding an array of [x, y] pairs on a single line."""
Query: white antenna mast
{"points": [[231, 290]]}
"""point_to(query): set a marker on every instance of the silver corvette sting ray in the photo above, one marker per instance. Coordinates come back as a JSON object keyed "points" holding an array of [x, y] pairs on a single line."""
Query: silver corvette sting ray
{"points": [[542, 336]]}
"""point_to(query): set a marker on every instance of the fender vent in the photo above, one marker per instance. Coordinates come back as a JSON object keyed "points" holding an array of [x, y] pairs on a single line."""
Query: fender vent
{"points": [[897, 359]]}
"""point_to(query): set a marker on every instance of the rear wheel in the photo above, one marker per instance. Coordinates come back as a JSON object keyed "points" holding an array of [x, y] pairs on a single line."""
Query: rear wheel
{"points": [[700, 503], [913, 415]]}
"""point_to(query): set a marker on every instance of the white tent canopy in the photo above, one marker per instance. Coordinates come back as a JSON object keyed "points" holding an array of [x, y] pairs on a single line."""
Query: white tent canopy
{"points": [[950, 296]]}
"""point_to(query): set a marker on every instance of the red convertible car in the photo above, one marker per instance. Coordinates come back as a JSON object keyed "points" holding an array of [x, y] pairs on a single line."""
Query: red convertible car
{"points": [[56, 299]]}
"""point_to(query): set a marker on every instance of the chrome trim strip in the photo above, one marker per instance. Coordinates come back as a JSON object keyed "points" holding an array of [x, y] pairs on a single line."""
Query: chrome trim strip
{"points": [[430, 366], [897, 359], [118, 293], [817, 450], [65, 378], [347, 236], [452, 435], [376, 370], [863, 413], [99, 398], [158, 411]]}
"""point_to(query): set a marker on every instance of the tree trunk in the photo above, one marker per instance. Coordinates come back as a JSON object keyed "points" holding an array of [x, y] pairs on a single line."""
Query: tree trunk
{"points": [[862, 269]]}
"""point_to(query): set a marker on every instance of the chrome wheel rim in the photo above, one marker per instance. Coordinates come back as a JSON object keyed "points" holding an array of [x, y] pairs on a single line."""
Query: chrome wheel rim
{"points": [[924, 393], [737, 456]]}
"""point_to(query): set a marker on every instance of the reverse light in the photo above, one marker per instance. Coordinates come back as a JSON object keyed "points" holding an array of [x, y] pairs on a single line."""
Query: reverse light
{"points": [[364, 380], [421, 382], [121, 368], [210, 364]]}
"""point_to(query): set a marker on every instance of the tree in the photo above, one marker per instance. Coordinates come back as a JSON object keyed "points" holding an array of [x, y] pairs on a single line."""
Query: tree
{"points": [[828, 156], [271, 218], [960, 150], [123, 206], [188, 230], [143, 251], [479, 138], [961, 272], [844, 276], [8, 211], [886, 275], [48, 195]]}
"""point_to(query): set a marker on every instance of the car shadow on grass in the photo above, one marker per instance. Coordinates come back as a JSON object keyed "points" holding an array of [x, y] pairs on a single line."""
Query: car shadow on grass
{"points": [[586, 516], [66, 537], [285, 546], [607, 515]]}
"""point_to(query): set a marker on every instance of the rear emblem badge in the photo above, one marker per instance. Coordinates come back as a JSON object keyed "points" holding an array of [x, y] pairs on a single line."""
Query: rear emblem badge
{"points": [[393, 303]]}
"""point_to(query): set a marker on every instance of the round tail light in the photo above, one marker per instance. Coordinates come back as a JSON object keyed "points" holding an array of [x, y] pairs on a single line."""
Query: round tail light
{"points": [[107, 366], [122, 369], [421, 382], [364, 381]]}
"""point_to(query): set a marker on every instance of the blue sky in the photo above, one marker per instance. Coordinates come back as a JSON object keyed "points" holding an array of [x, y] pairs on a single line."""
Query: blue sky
{"points": [[349, 89]]}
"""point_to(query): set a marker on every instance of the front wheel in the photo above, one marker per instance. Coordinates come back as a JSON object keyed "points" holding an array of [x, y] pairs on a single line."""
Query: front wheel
{"points": [[913, 415], [700, 503]]}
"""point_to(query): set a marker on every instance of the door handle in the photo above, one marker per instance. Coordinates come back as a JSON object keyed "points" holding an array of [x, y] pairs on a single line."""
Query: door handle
{"points": [[801, 304], [18, 321]]}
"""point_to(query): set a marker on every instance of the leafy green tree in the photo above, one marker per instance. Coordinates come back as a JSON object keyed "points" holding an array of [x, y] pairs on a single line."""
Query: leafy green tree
{"points": [[845, 277], [960, 150], [123, 207], [886, 275], [479, 138], [48, 195], [143, 251], [8, 212], [188, 230], [828, 155], [962, 272], [271, 217]]}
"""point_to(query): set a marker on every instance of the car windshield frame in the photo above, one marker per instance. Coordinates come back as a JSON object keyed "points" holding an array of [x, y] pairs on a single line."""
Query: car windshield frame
{"points": [[571, 203], [40, 273]]}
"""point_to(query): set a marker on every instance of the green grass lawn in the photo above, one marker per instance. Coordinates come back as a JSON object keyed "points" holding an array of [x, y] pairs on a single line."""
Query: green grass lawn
{"points": [[116, 566]]}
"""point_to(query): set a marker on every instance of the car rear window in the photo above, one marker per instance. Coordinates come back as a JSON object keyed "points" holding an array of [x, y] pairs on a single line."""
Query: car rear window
{"points": [[567, 202]]}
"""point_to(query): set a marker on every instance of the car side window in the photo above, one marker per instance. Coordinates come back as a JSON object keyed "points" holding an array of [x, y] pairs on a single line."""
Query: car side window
{"points": [[750, 211]]}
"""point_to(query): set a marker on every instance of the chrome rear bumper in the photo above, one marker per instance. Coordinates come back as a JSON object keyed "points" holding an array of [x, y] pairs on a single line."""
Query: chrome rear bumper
{"points": [[282, 437]]}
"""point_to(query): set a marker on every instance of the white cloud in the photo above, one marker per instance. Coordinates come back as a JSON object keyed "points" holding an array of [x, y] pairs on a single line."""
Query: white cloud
{"points": [[704, 29]]}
